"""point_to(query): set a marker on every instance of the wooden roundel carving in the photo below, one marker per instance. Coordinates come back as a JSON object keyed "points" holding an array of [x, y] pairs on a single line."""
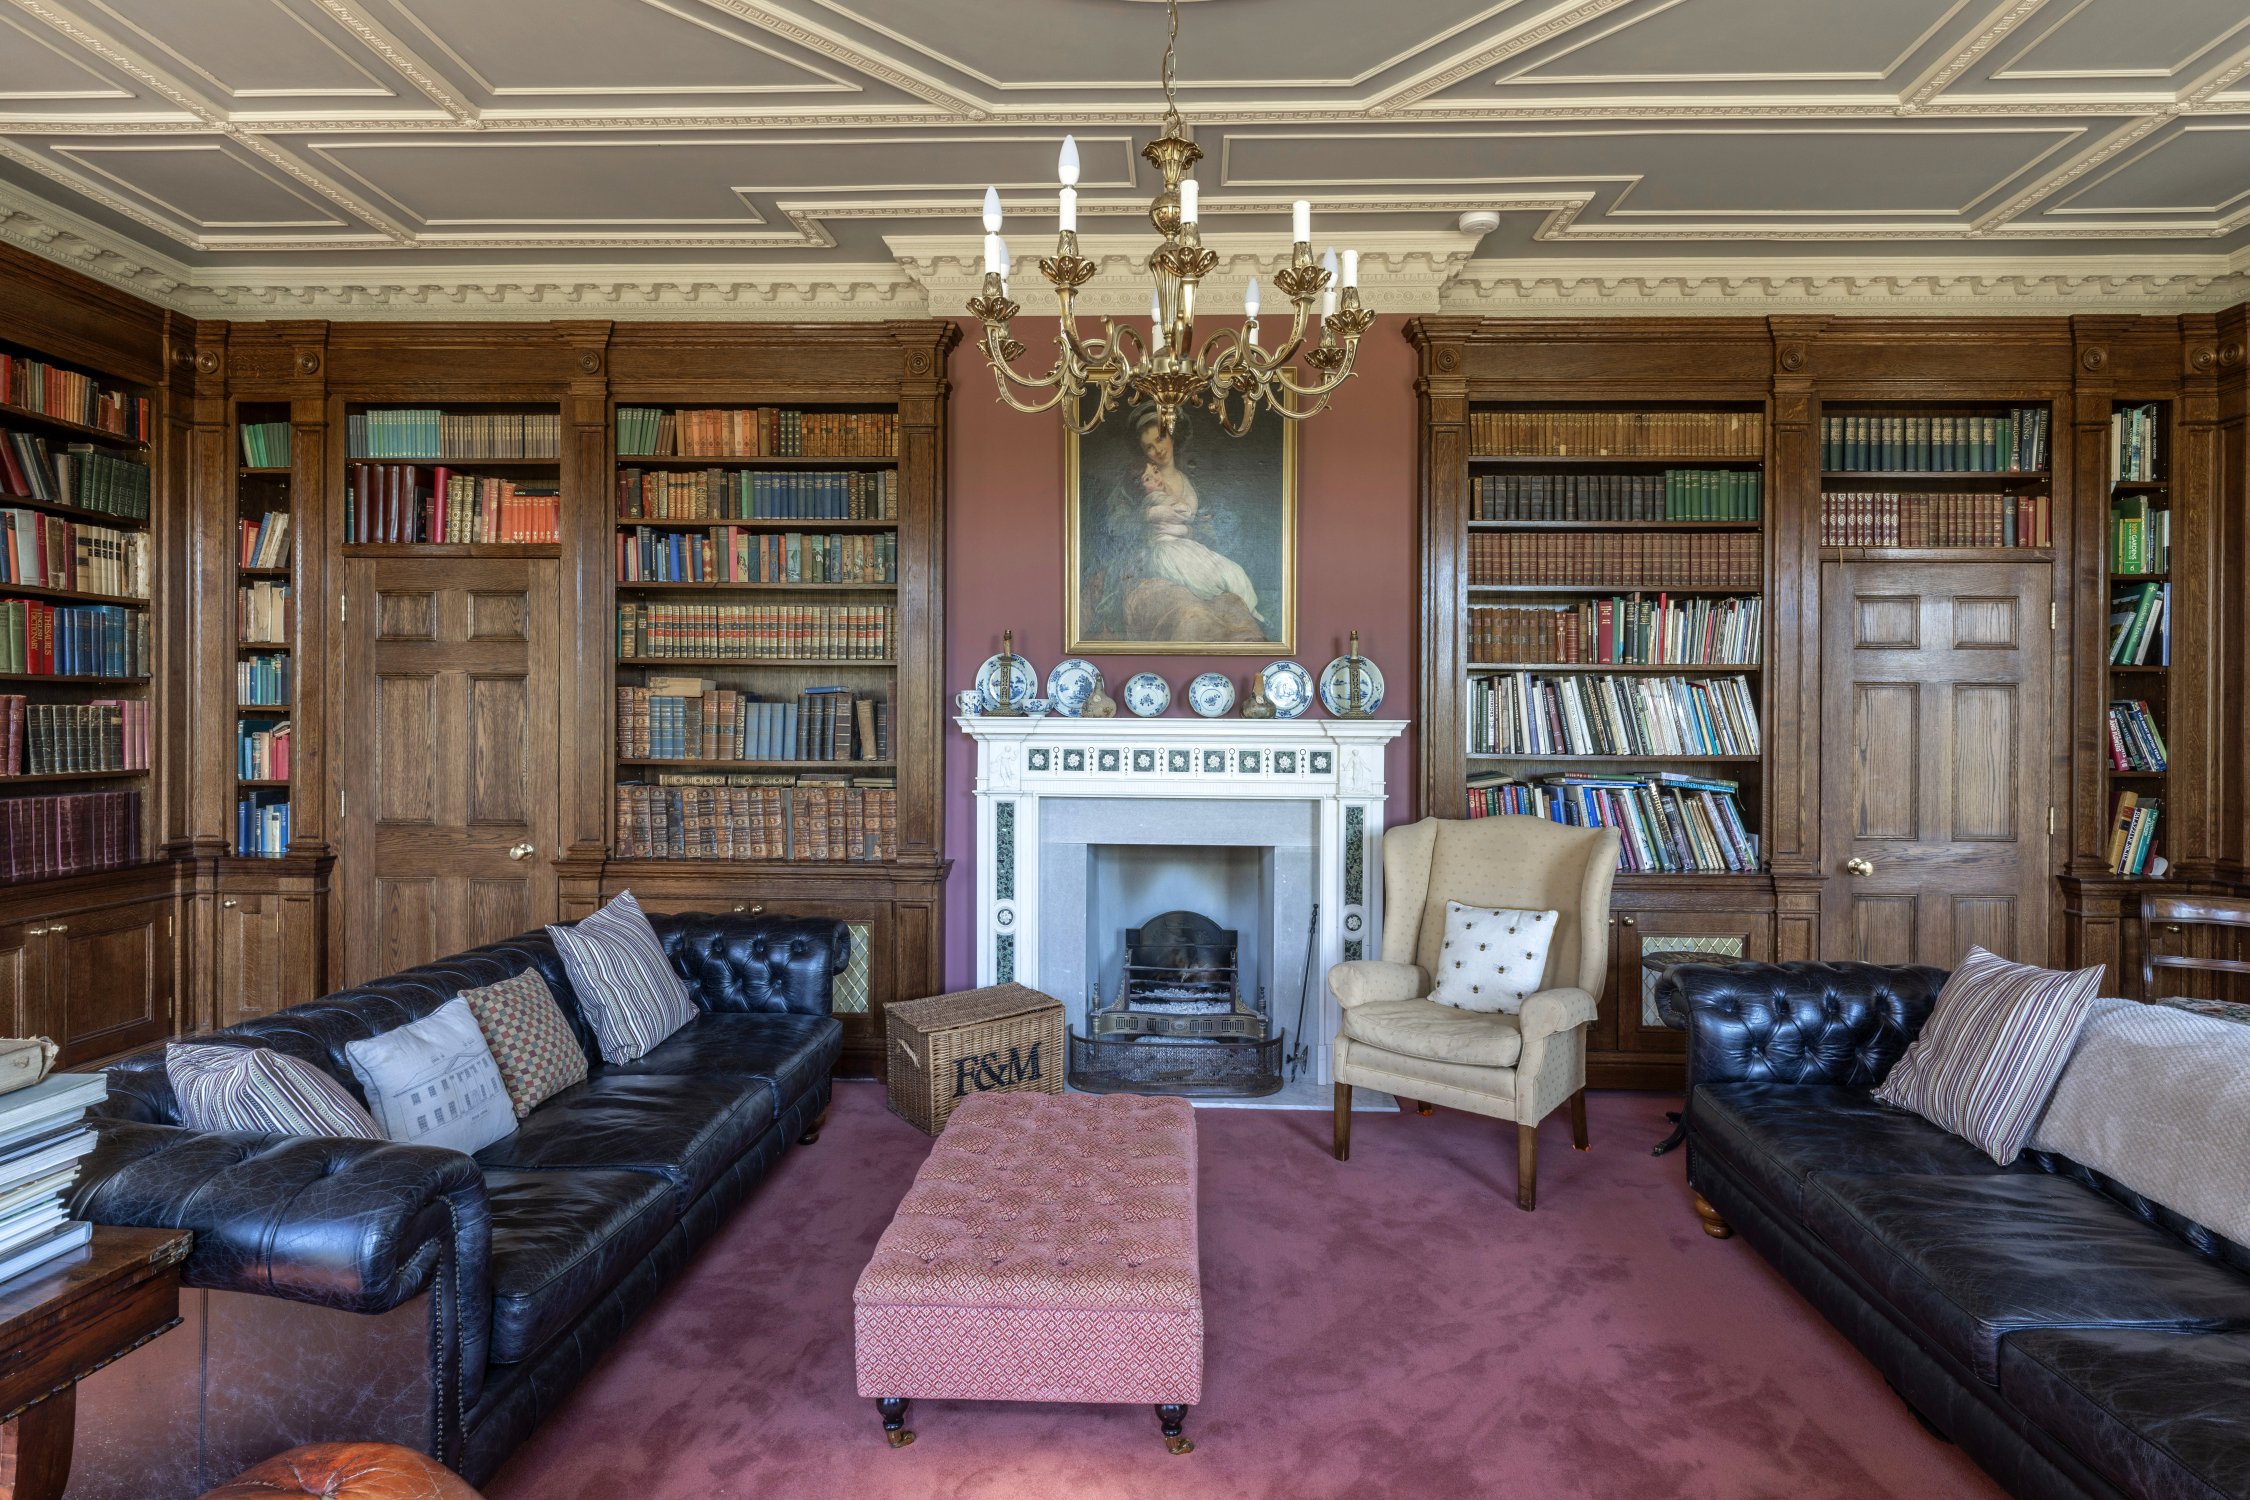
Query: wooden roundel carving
{"points": [[2202, 357], [1448, 359], [308, 363], [590, 362], [2094, 358], [1792, 357], [918, 363], [207, 362]]}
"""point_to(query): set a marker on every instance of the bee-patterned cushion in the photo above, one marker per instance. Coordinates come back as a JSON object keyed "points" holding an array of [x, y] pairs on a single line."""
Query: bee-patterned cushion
{"points": [[1491, 960]]}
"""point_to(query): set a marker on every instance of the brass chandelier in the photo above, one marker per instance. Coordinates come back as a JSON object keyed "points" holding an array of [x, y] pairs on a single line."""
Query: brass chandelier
{"points": [[1231, 373]]}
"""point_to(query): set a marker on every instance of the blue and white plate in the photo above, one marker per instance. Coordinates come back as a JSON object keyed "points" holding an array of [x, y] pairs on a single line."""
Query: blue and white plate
{"points": [[1071, 683], [1336, 686], [1288, 688], [1147, 694], [1020, 691], [1212, 695]]}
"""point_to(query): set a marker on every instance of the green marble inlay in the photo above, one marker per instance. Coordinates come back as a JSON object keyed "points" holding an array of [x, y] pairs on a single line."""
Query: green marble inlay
{"points": [[1355, 855], [1285, 763], [1144, 760], [1004, 958], [1105, 760], [1215, 762], [1074, 760], [1004, 852], [1039, 760], [1178, 763], [1354, 950], [1322, 762]]}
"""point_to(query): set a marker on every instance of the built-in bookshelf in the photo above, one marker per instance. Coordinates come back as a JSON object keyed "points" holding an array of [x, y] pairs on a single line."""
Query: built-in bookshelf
{"points": [[1615, 624], [456, 480], [1935, 477], [266, 666], [757, 584], [2137, 569], [77, 569]]}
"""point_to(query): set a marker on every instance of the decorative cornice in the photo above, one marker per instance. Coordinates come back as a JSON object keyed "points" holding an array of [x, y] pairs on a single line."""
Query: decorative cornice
{"points": [[1685, 287]]}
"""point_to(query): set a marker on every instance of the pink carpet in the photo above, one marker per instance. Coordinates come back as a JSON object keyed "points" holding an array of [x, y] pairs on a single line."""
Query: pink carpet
{"points": [[1387, 1326]]}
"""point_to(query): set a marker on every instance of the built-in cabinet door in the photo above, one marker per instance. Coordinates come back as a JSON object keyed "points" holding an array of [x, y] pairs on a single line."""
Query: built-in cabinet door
{"points": [[106, 979], [1636, 938], [1937, 746], [266, 942], [16, 977], [448, 757]]}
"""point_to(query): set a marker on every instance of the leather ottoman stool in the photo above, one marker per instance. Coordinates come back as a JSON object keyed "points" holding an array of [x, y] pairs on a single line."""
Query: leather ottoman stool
{"points": [[1046, 1252]]}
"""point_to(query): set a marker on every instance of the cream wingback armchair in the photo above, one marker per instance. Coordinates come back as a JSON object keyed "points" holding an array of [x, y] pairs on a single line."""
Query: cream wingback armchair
{"points": [[1509, 1067]]}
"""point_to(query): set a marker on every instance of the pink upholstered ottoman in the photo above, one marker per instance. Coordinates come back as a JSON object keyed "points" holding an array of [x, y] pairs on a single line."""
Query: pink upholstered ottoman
{"points": [[1046, 1252]]}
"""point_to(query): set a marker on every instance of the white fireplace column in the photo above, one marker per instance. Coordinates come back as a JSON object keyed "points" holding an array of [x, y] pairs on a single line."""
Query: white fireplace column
{"points": [[1336, 765]]}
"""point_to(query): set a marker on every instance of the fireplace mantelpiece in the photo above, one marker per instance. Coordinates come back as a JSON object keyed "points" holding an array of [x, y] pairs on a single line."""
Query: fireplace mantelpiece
{"points": [[1334, 766]]}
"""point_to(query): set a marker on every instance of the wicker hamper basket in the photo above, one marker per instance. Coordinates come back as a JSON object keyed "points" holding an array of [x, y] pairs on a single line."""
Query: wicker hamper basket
{"points": [[1006, 1040]]}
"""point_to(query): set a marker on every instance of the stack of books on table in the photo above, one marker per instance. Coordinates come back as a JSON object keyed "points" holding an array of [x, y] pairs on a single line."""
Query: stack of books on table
{"points": [[42, 1135]]}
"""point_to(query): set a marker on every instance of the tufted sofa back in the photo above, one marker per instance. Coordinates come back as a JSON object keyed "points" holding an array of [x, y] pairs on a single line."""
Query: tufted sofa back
{"points": [[1845, 1023], [742, 964]]}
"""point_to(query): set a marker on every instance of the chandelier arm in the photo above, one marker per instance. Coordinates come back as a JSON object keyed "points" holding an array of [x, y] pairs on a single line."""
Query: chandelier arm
{"points": [[995, 355]]}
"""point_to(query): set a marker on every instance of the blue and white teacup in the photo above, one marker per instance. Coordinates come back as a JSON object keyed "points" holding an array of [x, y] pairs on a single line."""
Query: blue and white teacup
{"points": [[968, 702]]}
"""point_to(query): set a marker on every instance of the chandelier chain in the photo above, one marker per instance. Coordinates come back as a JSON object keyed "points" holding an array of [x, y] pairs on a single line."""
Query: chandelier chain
{"points": [[1171, 61]]}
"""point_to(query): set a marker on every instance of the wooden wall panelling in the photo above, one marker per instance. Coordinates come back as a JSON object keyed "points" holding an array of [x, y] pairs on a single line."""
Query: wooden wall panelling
{"points": [[918, 362], [2202, 721], [1793, 764], [2230, 574], [585, 603], [1441, 390]]}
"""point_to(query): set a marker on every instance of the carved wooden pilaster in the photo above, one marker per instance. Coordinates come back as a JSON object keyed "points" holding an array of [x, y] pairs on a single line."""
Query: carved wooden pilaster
{"points": [[919, 712], [1792, 589], [585, 596], [2230, 603], [1441, 389]]}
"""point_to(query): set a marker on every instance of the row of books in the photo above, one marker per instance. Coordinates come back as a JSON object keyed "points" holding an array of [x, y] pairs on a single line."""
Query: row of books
{"points": [[452, 436], [69, 396], [74, 640], [261, 751], [676, 718], [1667, 823], [80, 475], [731, 554], [757, 632], [262, 680], [261, 826], [1525, 713], [394, 503], [1628, 630], [2140, 626], [2132, 836], [1617, 559], [749, 495], [263, 543], [805, 819], [1939, 443], [45, 837], [754, 432], [43, 1135], [2140, 536], [2135, 742], [1587, 433], [2133, 438], [1886, 518], [265, 445], [1674, 495], [64, 739], [262, 614], [48, 552]]}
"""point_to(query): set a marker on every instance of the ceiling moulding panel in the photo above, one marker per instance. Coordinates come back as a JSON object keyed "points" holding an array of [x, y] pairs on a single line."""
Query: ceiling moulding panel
{"points": [[1400, 272]]}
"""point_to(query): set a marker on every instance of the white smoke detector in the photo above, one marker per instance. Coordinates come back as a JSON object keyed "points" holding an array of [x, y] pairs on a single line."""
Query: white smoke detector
{"points": [[1479, 221]]}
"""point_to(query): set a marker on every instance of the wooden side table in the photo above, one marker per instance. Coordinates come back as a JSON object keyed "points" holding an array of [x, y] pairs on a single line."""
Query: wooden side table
{"points": [[63, 1322]]}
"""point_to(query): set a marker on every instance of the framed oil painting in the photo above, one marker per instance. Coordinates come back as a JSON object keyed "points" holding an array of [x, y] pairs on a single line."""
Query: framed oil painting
{"points": [[1183, 542]]}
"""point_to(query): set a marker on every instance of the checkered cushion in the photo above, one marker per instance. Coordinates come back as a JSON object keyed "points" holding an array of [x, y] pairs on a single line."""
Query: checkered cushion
{"points": [[529, 1038], [627, 989]]}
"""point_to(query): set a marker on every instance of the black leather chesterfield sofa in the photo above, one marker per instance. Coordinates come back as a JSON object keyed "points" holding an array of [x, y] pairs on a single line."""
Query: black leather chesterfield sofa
{"points": [[358, 1290], [2074, 1338]]}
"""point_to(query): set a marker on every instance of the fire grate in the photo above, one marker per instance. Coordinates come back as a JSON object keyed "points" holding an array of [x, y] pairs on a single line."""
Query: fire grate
{"points": [[1178, 1024]]}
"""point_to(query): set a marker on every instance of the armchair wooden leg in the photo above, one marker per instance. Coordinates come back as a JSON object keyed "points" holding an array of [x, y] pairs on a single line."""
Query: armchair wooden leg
{"points": [[1713, 1225], [1578, 1119], [1424, 1107], [1527, 1167], [1343, 1122]]}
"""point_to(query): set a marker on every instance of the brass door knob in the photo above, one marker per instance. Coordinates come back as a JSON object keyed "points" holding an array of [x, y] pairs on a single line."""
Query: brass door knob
{"points": [[1858, 867], [230, 903], [1628, 921], [521, 851]]}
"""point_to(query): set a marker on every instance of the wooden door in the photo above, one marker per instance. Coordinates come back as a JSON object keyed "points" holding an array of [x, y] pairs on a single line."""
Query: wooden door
{"points": [[446, 708], [107, 983], [1936, 740]]}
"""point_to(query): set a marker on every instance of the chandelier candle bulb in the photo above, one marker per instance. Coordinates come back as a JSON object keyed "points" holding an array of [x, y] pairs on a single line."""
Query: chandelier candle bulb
{"points": [[991, 210], [1351, 270], [1066, 165], [1250, 299], [1300, 221], [1189, 196], [1069, 210], [991, 254]]}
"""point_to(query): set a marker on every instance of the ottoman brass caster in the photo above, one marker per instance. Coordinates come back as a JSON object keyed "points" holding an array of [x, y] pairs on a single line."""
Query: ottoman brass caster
{"points": [[895, 1430], [1174, 1418]]}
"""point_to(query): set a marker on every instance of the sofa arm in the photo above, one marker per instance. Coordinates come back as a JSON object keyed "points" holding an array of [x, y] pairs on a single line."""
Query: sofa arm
{"points": [[360, 1226], [760, 963], [1360, 980], [1839, 1023]]}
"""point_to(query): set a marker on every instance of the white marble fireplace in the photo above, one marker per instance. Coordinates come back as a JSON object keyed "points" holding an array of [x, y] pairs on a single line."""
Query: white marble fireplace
{"points": [[1080, 822]]}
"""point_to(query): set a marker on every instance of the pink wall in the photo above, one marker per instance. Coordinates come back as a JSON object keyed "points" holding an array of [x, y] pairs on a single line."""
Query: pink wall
{"points": [[1004, 564]]}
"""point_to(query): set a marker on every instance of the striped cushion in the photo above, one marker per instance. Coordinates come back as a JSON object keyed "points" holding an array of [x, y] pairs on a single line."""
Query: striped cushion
{"points": [[529, 1038], [257, 1088], [1992, 1050], [627, 989]]}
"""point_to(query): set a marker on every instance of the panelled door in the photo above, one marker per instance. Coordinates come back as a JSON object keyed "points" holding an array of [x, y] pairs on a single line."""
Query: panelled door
{"points": [[448, 730], [1936, 742]]}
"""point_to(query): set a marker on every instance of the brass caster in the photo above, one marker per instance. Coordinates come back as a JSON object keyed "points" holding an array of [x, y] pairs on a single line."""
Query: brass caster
{"points": [[1424, 1107], [1179, 1447], [900, 1438]]}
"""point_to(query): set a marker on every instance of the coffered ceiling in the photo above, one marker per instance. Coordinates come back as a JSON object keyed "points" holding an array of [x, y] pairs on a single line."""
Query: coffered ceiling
{"points": [[824, 157]]}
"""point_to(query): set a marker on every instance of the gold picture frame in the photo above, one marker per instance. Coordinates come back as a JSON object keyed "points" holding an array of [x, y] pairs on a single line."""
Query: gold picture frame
{"points": [[1186, 559]]}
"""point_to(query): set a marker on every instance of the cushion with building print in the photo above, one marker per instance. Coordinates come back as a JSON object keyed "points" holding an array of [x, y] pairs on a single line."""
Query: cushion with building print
{"points": [[1493, 958], [434, 1083]]}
